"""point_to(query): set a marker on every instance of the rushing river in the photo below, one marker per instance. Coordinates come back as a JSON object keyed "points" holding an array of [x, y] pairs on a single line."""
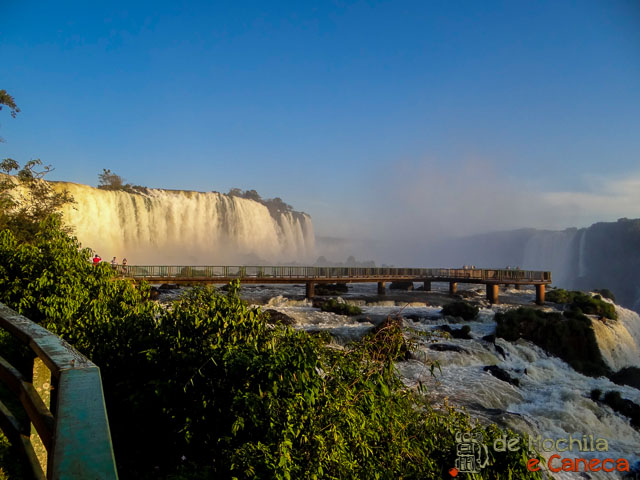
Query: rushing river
{"points": [[552, 401]]}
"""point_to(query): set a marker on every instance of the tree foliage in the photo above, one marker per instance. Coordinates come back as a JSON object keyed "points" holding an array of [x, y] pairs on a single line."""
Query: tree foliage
{"points": [[26, 199], [7, 100]]}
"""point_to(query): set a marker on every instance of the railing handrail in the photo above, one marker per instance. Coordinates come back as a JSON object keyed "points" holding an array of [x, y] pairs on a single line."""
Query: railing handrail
{"points": [[310, 273], [76, 435]]}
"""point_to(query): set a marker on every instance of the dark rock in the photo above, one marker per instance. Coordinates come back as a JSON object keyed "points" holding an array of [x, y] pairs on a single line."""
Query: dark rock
{"points": [[623, 406], [462, 333], [154, 293], [627, 376], [460, 309], [331, 288], [447, 347], [489, 338], [501, 374], [407, 286], [500, 350], [278, 318], [168, 286]]}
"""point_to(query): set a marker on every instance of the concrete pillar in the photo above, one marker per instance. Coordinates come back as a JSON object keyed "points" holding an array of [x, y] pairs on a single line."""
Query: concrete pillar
{"points": [[382, 289], [453, 287], [310, 291], [540, 294], [492, 292], [427, 286]]}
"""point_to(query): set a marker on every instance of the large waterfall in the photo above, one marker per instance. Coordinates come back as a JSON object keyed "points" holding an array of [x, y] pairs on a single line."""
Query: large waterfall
{"points": [[184, 227]]}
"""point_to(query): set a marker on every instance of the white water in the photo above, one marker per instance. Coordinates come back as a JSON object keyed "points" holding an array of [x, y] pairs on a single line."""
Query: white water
{"points": [[553, 400], [183, 227]]}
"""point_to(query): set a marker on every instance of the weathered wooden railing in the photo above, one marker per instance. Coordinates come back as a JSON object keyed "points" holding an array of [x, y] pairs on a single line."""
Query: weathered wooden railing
{"points": [[310, 273], [67, 436]]}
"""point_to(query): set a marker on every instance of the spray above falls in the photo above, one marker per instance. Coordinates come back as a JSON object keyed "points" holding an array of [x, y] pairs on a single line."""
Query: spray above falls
{"points": [[184, 227]]}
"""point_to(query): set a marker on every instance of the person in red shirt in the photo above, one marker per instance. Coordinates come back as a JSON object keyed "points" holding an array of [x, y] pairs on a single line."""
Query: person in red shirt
{"points": [[96, 259]]}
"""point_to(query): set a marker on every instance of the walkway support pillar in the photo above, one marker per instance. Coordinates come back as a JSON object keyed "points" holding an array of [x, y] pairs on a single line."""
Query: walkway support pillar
{"points": [[540, 294], [427, 286], [382, 289], [492, 293], [453, 287], [310, 290]]}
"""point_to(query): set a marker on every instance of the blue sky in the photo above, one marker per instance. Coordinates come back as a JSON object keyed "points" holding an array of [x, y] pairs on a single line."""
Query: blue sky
{"points": [[367, 115]]}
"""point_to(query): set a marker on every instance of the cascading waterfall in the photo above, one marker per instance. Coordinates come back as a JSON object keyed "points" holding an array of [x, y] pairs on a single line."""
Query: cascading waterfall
{"points": [[185, 227], [582, 263]]}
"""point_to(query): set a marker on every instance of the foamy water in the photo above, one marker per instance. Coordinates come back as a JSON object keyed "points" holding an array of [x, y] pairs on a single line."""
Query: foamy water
{"points": [[552, 400]]}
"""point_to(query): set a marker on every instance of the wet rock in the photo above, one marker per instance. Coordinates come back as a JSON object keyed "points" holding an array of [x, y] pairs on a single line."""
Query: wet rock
{"points": [[154, 293], [462, 333], [489, 338], [168, 286], [331, 288], [406, 286], [623, 406], [447, 347], [278, 318], [501, 374], [500, 350], [627, 376]]}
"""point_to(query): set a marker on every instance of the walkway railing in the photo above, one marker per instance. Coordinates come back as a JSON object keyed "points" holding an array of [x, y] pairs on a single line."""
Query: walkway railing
{"points": [[67, 435], [310, 273]]}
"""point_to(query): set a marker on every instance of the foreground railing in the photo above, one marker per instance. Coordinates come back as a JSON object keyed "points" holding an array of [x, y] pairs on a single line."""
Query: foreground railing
{"points": [[310, 273], [67, 435]]}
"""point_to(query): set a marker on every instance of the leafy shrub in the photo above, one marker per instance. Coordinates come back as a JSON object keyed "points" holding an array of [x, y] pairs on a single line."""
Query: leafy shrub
{"points": [[461, 309], [583, 303], [334, 306], [568, 336], [606, 293]]}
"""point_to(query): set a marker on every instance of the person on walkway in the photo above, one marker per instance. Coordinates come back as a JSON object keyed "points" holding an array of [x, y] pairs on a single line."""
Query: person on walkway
{"points": [[114, 263], [96, 259], [123, 267]]}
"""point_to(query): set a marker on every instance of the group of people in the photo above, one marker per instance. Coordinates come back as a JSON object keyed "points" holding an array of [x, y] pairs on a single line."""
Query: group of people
{"points": [[114, 263]]}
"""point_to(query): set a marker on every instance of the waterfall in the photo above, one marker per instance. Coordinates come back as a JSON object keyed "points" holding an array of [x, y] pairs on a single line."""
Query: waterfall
{"points": [[582, 267], [619, 340], [184, 227], [551, 250]]}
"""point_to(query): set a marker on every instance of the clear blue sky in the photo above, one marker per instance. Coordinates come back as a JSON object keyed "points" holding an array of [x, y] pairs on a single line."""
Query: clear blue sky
{"points": [[335, 106]]}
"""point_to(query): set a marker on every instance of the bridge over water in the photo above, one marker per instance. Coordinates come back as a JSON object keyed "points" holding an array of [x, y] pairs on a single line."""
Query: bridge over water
{"points": [[312, 276]]}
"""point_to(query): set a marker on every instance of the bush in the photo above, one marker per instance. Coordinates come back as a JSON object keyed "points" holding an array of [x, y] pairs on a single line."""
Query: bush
{"points": [[569, 337], [583, 303], [606, 293], [334, 306], [461, 309]]}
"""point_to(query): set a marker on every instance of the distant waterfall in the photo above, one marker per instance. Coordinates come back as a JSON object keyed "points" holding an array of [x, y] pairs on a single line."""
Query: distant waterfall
{"points": [[582, 266], [185, 227], [551, 250]]}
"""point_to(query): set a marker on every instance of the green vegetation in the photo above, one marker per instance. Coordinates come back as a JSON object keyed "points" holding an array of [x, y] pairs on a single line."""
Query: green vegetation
{"points": [[606, 293], [581, 302], [568, 336], [108, 180], [332, 305], [461, 309]]}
